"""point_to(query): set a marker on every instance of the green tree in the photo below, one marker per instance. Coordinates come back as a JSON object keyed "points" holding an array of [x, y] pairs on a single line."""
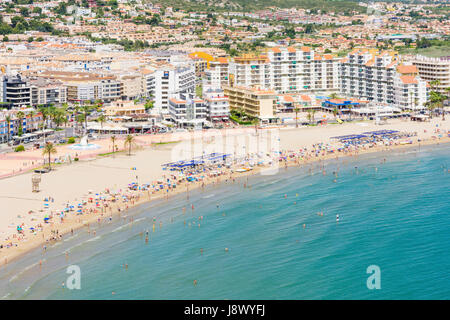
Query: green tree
{"points": [[296, 109], [20, 116], [8, 123], [48, 150], [101, 119], [130, 142], [113, 140]]}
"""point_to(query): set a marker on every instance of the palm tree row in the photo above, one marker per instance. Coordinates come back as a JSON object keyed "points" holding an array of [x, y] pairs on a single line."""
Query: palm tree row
{"points": [[130, 143], [436, 99]]}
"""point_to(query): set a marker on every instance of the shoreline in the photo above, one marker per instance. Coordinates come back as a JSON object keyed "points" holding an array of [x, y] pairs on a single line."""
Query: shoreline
{"points": [[75, 223]]}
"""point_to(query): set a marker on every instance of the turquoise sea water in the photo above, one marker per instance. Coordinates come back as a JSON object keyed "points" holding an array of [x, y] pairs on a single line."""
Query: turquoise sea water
{"points": [[396, 217]]}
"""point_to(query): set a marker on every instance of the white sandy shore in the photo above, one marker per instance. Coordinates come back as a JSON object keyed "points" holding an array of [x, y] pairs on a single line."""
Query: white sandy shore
{"points": [[69, 183]]}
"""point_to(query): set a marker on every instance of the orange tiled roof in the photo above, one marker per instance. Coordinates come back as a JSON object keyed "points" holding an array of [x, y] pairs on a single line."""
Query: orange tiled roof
{"points": [[288, 98], [305, 97], [222, 60], [408, 79], [276, 50], [407, 69], [370, 63]]}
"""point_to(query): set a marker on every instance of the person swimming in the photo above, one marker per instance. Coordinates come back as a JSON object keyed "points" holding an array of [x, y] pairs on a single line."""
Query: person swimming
{"points": [[337, 218]]}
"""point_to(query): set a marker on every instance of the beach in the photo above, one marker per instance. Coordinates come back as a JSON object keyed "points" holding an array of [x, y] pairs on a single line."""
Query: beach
{"points": [[93, 174]]}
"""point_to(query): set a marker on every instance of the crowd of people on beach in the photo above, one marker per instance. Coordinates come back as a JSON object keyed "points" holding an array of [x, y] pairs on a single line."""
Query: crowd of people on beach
{"points": [[105, 204]]}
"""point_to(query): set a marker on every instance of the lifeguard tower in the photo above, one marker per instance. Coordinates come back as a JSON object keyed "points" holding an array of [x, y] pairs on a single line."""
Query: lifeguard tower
{"points": [[35, 181]]}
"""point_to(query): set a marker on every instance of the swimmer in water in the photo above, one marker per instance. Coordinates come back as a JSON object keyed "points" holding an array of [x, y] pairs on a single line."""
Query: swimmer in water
{"points": [[337, 218]]}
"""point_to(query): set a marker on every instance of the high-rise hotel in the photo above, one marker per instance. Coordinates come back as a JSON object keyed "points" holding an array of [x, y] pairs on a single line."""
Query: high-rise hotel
{"points": [[381, 77], [287, 70]]}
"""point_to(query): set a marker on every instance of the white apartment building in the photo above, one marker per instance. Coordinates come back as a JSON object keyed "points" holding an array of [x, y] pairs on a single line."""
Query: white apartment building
{"points": [[171, 80], [217, 74], [217, 105], [302, 69], [17, 91], [131, 86], [431, 69], [382, 78], [186, 110], [148, 82], [111, 89], [287, 70]]}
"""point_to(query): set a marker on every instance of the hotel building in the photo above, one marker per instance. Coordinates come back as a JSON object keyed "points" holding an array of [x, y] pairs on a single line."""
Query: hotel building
{"points": [[380, 77], [431, 69], [254, 101], [287, 70]]}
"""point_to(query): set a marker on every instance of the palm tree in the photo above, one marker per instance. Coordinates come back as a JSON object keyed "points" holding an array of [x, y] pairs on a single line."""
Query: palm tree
{"points": [[52, 113], [32, 113], [296, 109], [44, 111], [86, 110], [75, 111], [430, 106], [102, 120], [335, 113], [310, 115], [113, 140], [334, 96], [349, 112], [130, 141], [79, 118], [8, 122], [445, 97], [58, 116], [20, 116], [49, 149]]}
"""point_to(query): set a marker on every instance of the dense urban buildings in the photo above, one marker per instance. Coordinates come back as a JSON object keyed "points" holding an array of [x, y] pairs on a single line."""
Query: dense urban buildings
{"points": [[134, 57]]}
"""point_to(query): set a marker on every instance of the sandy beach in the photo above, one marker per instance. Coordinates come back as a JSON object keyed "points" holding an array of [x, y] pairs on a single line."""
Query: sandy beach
{"points": [[71, 183]]}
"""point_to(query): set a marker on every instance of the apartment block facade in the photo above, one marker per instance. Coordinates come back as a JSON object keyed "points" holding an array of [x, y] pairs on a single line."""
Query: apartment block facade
{"points": [[432, 69], [254, 101], [287, 70], [382, 78]]}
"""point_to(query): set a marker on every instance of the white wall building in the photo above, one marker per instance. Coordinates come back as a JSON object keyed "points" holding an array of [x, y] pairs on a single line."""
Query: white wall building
{"points": [[171, 80], [382, 78], [286, 70], [217, 105], [431, 69]]}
